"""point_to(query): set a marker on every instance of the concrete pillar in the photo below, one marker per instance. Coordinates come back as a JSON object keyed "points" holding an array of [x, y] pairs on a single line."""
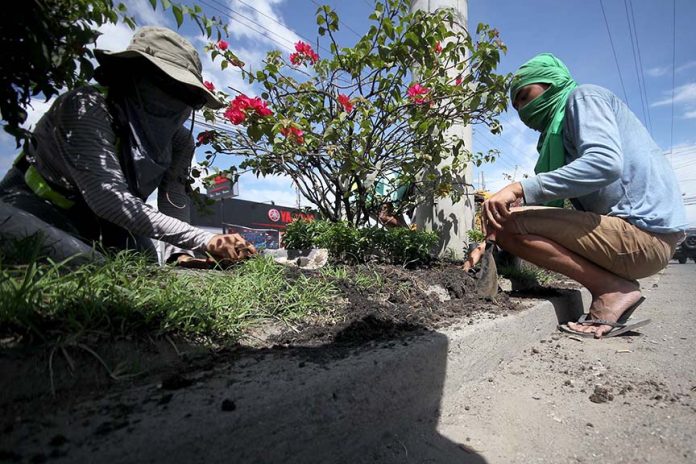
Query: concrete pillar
{"points": [[450, 220]]}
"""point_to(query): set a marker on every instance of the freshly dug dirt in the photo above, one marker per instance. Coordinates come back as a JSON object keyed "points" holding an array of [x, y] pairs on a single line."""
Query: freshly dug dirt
{"points": [[406, 301]]}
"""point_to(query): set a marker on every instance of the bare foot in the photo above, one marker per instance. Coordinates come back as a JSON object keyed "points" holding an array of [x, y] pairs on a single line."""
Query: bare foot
{"points": [[609, 306]]}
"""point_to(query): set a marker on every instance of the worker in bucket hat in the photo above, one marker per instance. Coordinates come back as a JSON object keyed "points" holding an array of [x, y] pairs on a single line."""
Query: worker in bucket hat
{"points": [[99, 153]]}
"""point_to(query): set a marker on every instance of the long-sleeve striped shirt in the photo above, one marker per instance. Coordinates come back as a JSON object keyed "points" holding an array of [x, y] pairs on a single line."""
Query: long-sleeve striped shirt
{"points": [[76, 150]]}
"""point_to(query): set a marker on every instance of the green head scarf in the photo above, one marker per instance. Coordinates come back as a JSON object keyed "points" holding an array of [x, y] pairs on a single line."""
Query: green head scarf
{"points": [[546, 112]]}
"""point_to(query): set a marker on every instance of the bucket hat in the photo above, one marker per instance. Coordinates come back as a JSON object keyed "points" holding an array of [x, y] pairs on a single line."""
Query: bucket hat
{"points": [[170, 52]]}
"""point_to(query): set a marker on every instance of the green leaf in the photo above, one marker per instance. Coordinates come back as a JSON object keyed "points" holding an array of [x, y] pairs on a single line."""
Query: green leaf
{"points": [[154, 4], [178, 15]]}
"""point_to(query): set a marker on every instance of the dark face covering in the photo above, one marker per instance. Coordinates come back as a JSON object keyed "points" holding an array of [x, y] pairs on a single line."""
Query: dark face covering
{"points": [[149, 118]]}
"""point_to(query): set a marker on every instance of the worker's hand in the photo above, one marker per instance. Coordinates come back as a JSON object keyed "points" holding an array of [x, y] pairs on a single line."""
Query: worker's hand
{"points": [[194, 263], [230, 247], [496, 209]]}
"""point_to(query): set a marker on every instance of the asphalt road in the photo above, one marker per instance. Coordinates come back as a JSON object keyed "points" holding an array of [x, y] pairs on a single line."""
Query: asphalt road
{"points": [[538, 407]]}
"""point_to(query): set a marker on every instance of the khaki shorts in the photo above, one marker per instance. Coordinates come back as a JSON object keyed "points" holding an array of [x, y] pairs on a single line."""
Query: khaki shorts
{"points": [[608, 241]]}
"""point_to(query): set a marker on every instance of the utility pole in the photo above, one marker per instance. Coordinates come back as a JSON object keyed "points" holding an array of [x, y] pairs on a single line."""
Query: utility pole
{"points": [[449, 219]]}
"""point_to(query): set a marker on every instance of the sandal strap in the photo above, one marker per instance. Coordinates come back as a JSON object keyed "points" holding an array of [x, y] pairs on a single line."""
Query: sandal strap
{"points": [[585, 321]]}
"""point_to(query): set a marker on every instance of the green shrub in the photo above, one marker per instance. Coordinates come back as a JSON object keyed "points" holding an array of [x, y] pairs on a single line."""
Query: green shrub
{"points": [[369, 244]]}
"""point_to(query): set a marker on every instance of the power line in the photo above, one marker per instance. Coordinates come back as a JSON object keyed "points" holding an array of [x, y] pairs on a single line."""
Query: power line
{"points": [[632, 30], [274, 20], [640, 62], [341, 22], [674, 56], [616, 60], [291, 47]]}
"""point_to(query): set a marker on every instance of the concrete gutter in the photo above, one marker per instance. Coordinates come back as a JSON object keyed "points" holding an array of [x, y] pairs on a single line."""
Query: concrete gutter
{"points": [[379, 403]]}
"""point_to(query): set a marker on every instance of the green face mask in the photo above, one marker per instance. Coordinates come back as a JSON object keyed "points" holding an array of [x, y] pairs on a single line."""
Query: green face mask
{"points": [[537, 114], [546, 112]]}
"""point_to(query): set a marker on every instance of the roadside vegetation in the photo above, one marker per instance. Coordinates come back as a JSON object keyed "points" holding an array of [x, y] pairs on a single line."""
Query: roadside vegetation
{"points": [[129, 295]]}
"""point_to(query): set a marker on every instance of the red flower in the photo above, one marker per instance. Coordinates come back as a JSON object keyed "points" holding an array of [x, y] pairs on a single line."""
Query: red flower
{"points": [[438, 47], [242, 106], [418, 94], [205, 137], [260, 106], [293, 133], [234, 115], [458, 80], [222, 45], [209, 85], [344, 100], [304, 51], [295, 58]]}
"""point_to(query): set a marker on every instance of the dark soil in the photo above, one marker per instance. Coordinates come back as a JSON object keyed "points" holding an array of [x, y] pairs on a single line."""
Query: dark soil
{"points": [[407, 300]]}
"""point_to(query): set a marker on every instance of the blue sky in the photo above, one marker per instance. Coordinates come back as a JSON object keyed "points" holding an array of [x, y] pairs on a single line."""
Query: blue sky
{"points": [[574, 30]]}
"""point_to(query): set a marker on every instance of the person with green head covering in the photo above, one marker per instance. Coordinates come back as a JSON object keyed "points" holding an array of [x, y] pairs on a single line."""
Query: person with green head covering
{"points": [[627, 214]]}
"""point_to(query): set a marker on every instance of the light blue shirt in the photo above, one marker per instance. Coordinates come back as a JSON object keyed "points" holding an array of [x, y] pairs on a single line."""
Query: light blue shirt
{"points": [[613, 166]]}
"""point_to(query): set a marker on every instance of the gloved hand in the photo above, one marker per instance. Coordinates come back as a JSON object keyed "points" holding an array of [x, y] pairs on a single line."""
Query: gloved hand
{"points": [[231, 247]]}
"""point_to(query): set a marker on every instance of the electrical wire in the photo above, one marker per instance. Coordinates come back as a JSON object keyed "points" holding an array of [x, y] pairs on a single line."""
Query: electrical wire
{"points": [[631, 31], [341, 21], [613, 50], [640, 63], [674, 56]]}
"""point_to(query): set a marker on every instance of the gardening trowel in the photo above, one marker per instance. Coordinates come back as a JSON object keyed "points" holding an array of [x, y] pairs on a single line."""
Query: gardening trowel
{"points": [[487, 277]]}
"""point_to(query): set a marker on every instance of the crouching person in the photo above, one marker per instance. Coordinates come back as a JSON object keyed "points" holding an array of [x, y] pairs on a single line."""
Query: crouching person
{"points": [[96, 156], [628, 214]]}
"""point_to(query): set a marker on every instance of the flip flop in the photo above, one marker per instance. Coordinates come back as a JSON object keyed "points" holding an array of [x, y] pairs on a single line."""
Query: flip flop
{"points": [[617, 328]]}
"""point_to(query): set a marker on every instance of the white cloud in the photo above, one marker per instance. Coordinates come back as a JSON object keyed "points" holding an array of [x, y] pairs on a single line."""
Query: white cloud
{"points": [[683, 94], [685, 66], [258, 20], [690, 114], [145, 15], [657, 71], [115, 37]]}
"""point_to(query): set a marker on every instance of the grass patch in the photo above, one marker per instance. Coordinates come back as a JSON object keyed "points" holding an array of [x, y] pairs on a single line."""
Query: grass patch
{"points": [[363, 278], [526, 275], [128, 294]]}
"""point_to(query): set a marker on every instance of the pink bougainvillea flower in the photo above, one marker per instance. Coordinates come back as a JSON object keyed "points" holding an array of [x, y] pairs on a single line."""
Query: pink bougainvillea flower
{"points": [[209, 85], [234, 115], [293, 133], [223, 45], [242, 107], [418, 94], [345, 102], [260, 106], [304, 52], [205, 137], [438, 47]]}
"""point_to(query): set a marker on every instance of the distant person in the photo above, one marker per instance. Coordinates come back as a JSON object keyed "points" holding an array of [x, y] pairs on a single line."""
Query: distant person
{"points": [[96, 156], [628, 215]]}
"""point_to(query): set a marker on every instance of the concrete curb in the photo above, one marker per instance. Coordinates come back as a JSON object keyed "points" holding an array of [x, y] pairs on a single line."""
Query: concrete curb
{"points": [[376, 404]]}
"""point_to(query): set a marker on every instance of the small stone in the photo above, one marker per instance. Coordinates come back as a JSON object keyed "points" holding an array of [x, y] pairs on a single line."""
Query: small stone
{"points": [[228, 405], [535, 351], [466, 408], [601, 395], [589, 424]]}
